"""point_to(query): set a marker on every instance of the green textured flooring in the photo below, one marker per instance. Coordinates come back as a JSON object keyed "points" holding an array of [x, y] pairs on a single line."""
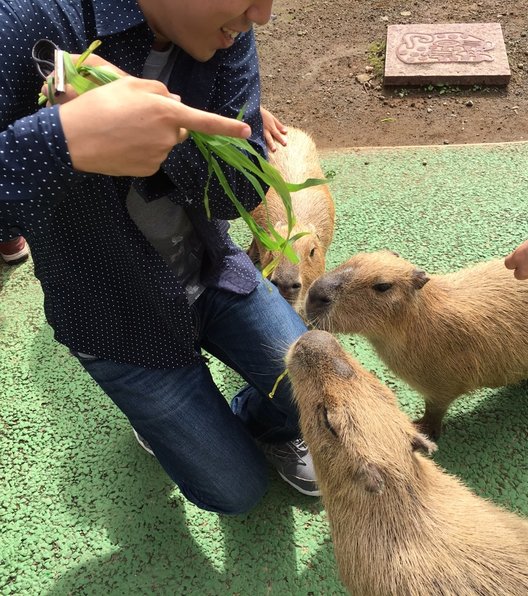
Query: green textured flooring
{"points": [[84, 510]]}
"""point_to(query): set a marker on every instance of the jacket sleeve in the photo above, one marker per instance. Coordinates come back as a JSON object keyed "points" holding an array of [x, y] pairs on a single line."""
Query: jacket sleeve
{"points": [[35, 171], [34, 161]]}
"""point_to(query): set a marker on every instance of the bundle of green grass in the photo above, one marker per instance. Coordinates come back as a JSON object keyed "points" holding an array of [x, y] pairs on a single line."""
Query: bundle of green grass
{"points": [[233, 151]]}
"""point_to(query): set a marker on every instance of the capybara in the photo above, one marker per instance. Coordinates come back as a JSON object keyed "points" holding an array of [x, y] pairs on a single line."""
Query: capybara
{"points": [[314, 213], [401, 525], [445, 335]]}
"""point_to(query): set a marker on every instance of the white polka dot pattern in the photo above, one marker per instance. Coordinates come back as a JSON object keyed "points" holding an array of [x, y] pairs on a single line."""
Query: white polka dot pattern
{"points": [[107, 292]]}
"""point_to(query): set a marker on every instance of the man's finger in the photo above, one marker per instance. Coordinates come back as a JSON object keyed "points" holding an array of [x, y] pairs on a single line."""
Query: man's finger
{"points": [[212, 124], [509, 262], [269, 142], [521, 273]]}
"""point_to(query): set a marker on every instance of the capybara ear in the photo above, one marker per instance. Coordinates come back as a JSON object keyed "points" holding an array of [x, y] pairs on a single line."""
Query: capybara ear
{"points": [[422, 443], [370, 476], [392, 252], [328, 422], [342, 368], [419, 278]]}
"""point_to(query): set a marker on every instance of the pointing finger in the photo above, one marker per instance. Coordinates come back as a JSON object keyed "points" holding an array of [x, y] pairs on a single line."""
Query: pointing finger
{"points": [[208, 123]]}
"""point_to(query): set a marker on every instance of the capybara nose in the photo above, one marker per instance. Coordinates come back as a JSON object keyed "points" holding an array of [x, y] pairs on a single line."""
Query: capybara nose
{"points": [[320, 295], [288, 290]]}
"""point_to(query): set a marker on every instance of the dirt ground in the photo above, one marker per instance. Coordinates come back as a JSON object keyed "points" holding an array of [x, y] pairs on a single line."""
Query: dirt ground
{"points": [[312, 51]]}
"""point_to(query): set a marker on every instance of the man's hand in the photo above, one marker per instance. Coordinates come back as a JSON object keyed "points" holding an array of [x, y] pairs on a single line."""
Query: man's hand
{"points": [[129, 126], [518, 261]]}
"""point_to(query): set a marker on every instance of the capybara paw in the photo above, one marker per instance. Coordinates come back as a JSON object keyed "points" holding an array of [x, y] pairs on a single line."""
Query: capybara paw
{"points": [[431, 429]]}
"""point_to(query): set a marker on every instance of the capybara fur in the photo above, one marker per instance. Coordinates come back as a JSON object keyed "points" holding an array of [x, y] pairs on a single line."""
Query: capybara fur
{"points": [[445, 335], [401, 525], [314, 212]]}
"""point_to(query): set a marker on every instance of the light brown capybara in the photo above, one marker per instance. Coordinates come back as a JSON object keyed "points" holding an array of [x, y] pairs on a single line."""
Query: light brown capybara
{"points": [[314, 213], [401, 525], [445, 335]]}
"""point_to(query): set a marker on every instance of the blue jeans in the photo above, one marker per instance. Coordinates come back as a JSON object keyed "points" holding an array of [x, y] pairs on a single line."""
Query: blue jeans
{"points": [[205, 446]]}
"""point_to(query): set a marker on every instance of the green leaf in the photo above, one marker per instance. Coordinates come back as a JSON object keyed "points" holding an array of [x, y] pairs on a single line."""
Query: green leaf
{"points": [[101, 74], [78, 82], [91, 48], [234, 152]]}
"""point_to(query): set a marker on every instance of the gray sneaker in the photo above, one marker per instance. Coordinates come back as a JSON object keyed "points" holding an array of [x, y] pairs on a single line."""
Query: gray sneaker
{"points": [[142, 442], [294, 464]]}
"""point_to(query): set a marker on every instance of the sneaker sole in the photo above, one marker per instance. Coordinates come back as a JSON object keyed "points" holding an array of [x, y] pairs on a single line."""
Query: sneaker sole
{"points": [[18, 257], [309, 493], [141, 443]]}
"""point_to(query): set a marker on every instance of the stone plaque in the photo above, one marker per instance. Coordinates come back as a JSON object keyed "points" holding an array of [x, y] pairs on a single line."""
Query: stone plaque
{"points": [[450, 53]]}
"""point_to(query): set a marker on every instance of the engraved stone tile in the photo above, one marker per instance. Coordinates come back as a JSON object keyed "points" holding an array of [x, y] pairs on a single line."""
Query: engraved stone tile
{"points": [[450, 53]]}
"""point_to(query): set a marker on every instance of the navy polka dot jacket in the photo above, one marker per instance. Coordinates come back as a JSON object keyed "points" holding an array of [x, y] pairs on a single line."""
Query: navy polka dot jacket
{"points": [[106, 291]]}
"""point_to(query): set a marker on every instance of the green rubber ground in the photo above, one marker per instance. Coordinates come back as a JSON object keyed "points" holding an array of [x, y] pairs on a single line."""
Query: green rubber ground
{"points": [[84, 510]]}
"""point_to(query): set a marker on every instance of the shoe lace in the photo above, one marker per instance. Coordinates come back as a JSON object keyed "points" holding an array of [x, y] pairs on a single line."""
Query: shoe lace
{"points": [[293, 450], [299, 444]]}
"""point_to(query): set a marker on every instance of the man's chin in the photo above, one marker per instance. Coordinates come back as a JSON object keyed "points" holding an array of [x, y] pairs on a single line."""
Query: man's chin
{"points": [[200, 52], [202, 55]]}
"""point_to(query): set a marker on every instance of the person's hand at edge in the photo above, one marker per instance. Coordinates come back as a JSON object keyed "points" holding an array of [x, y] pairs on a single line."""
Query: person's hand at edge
{"points": [[518, 261], [274, 130]]}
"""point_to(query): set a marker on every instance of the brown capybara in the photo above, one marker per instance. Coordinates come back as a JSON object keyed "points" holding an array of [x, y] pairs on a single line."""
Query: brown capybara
{"points": [[314, 213], [401, 526], [445, 335]]}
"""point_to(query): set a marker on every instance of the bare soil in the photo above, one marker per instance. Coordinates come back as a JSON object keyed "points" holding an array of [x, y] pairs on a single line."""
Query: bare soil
{"points": [[312, 52]]}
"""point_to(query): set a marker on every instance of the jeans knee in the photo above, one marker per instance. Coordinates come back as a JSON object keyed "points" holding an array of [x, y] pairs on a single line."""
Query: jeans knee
{"points": [[246, 502], [231, 499]]}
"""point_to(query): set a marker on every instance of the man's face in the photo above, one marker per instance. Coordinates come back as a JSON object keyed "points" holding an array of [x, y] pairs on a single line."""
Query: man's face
{"points": [[201, 27]]}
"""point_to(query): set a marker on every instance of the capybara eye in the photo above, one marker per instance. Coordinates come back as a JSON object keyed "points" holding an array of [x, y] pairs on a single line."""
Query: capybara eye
{"points": [[383, 287], [312, 252]]}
